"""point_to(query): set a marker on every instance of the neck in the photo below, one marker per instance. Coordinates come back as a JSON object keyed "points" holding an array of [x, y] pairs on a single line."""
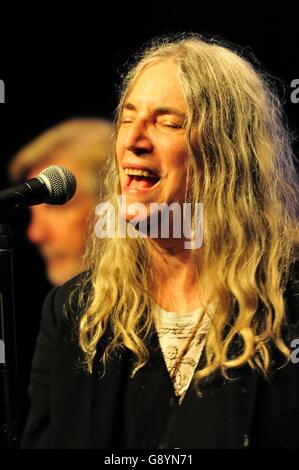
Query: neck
{"points": [[172, 261], [175, 285]]}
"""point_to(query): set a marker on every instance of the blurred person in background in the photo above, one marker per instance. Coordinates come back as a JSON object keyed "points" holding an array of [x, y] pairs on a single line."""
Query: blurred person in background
{"points": [[82, 145]]}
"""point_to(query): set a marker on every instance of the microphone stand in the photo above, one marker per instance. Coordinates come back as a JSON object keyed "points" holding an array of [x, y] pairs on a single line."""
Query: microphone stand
{"points": [[9, 419], [54, 185]]}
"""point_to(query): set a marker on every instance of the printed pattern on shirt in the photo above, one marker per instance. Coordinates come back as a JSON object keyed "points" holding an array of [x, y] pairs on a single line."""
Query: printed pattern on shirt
{"points": [[174, 331]]}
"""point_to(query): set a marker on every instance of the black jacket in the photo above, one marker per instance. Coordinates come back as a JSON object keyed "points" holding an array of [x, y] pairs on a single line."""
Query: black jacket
{"points": [[71, 409]]}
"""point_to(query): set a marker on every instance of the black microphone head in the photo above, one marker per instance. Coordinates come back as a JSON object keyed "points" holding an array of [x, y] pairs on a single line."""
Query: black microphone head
{"points": [[60, 182]]}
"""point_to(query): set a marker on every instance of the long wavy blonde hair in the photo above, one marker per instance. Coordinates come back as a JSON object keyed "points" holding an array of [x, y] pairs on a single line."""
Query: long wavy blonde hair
{"points": [[250, 193]]}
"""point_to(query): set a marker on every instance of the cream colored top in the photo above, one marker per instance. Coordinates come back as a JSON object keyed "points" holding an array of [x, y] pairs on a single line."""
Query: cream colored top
{"points": [[174, 330]]}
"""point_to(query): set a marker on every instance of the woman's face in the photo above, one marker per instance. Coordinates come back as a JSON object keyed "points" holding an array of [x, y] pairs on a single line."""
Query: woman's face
{"points": [[152, 138]]}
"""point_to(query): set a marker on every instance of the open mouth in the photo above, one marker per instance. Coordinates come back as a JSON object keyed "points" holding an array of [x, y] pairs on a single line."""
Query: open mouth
{"points": [[140, 180]]}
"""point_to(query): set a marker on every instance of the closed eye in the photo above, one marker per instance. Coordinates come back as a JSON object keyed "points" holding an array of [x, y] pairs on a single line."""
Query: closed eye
{"points": [[172, 125], [126, 121]]}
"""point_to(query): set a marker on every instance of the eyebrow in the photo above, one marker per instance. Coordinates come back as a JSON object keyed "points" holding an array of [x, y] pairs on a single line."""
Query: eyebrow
{"points": [[159, 110]]}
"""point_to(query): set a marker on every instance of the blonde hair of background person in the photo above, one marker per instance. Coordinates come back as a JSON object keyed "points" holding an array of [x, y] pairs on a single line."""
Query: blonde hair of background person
{"points": [[88, 142], [241, 166], [82, 145]]}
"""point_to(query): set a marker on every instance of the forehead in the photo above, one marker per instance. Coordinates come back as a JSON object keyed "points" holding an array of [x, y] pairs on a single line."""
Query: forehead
{"points": [[63, 158], [60, 158], [158, 85]]}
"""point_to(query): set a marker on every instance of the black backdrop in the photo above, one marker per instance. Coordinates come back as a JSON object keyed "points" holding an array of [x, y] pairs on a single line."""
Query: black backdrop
{"points": [[58, 67]]}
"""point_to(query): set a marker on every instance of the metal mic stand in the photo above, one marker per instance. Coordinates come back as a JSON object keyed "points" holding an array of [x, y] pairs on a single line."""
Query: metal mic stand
{"points": [[9, 437]]}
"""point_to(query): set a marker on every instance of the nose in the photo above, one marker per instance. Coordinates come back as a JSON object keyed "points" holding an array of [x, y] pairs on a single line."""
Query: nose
{"points": [[38, 229], [137, 139]]}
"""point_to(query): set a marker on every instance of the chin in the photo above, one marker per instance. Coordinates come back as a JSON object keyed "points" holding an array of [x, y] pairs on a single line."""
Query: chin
{"points": [[59, 276]]}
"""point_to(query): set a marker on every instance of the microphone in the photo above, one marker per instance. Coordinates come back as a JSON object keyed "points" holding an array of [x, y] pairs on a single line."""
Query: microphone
{"points": [[54, 185]]}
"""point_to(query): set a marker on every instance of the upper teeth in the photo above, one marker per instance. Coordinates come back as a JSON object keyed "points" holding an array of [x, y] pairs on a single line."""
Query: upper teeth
{"points": [[134, 171]]}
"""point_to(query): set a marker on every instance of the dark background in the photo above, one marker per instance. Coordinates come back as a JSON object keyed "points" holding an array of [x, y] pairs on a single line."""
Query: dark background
{"points": [[59, 67]]}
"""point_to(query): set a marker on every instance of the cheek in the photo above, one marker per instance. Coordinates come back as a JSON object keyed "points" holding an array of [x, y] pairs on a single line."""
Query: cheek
{"points": [[79, 221], [174, 155], [175, 186], [177, 173], [119, 145], [74, 223], [71, 238]]}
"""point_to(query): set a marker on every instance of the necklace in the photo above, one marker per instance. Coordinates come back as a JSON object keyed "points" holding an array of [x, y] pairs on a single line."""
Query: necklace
{"points": [[188, 343]]}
